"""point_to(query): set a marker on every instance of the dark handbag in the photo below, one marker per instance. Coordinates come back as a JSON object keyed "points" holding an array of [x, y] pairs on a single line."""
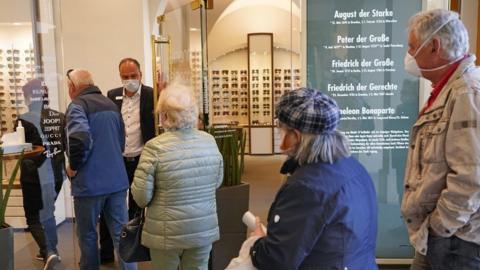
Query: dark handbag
{"points": [[130, 246]]}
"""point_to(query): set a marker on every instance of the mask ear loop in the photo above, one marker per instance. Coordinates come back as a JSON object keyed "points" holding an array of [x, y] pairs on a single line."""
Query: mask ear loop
{"points": [[442, 66]]}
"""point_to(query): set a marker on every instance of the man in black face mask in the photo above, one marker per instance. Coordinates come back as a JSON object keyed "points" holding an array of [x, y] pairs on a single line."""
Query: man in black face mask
{"points": [[135, 101]]}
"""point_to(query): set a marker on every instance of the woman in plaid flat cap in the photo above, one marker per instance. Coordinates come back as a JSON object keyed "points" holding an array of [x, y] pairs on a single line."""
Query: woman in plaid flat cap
{"points": [[325, 215]]}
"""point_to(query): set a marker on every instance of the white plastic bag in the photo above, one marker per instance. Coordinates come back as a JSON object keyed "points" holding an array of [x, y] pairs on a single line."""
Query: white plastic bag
{"points": [[243, 261]]}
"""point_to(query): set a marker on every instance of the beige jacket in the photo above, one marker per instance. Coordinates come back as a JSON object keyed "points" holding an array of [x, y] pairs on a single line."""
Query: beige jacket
{"points": [[442, 176]]}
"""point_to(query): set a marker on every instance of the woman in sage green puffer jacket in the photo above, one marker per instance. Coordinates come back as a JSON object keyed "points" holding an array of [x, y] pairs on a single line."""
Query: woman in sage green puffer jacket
{"points": [[175, 180]]}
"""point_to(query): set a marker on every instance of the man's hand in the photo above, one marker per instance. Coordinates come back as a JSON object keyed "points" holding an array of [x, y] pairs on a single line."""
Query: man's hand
{"points": [[71, 173]]}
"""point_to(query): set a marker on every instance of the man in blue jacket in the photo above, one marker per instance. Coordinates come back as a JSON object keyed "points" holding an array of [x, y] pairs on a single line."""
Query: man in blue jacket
{"points": [[95, 134]]}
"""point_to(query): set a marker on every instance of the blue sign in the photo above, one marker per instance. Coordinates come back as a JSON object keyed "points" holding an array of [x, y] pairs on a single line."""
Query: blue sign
{"points": [[355, 52]]}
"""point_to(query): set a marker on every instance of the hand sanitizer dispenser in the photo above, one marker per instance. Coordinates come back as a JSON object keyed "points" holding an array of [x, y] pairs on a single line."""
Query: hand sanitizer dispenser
{"points": [[15, 142], [20, 133]]}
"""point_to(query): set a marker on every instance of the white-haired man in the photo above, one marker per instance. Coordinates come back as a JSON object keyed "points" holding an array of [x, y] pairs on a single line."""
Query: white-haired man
{"points": [[96, 138], [442, 179]]}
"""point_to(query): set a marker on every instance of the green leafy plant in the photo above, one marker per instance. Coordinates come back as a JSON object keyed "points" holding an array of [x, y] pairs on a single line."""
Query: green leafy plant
{"points": [[4, 197], [231, 143]]}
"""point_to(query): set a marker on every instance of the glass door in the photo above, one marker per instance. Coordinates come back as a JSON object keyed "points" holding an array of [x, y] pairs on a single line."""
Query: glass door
{"points": [[231, 86], [178, 51], [29, 94]]}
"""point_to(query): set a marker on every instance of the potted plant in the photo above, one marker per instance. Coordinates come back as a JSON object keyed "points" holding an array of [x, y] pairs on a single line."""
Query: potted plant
{"points": [[232, 197], [6, 232]]}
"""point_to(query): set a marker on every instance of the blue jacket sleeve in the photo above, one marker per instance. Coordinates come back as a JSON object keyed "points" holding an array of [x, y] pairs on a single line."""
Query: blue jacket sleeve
{"points": [[296, 221], [78, 136]]}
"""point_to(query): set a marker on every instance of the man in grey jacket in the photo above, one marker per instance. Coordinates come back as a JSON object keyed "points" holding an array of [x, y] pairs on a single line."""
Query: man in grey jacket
{"points": [[442, 179]]}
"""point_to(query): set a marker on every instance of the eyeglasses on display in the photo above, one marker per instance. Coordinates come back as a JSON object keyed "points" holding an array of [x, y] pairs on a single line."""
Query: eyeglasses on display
{"points": [[17, 73], [15, 80]]}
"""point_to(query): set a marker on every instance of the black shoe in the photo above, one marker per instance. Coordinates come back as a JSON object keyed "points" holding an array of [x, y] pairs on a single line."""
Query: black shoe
{"points": [[39, 257], [107, 260]]}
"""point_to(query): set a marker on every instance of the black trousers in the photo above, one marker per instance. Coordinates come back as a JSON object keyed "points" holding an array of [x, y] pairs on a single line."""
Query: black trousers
{"points": [[106, 243]]}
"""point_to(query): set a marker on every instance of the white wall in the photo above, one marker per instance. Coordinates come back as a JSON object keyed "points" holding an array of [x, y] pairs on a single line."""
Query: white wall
{"points": [[15, 11], [469, 15], [96, 35]]}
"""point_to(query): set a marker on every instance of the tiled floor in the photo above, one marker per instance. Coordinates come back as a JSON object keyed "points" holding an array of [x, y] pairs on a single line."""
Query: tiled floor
{"points": [[261, 172], [26, 249]]}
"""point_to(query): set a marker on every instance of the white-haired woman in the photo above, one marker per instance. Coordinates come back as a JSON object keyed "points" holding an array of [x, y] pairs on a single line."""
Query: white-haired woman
{"points": [[175, 180], [325, 215]]}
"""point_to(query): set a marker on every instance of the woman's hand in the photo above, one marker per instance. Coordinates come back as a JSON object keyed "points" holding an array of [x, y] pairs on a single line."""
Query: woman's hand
{"points": [[258, 229], [71, 173]]}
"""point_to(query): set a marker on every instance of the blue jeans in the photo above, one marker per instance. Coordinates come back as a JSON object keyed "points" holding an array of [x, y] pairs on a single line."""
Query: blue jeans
{"points": [[87, 211], [47, 217], [452, 253], [449, 253], [420, 262]]}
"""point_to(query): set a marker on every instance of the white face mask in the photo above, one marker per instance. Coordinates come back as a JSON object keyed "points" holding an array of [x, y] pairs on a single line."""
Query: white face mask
{"points": [[131, 85], [411, 65]]}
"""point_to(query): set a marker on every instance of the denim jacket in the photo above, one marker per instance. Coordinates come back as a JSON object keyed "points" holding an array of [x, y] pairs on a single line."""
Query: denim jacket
{"points": [[442, 177]]}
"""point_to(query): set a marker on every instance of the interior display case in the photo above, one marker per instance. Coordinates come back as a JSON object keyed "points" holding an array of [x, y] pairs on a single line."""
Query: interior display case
{"points": [[16, 69], [260, 69], [245, 97], [229, 96], [196, 75]]}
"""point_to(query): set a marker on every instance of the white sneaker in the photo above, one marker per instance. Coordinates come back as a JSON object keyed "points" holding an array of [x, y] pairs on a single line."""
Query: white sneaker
{"points": [[52, 261]]}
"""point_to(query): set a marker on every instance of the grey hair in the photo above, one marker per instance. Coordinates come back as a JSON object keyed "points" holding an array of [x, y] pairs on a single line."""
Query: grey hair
{"points": [[453, 35], [327, 147], [177, 102], [81, 78]]}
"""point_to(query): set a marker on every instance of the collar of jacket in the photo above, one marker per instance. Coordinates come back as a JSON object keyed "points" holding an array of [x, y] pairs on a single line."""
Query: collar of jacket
{"points": [[441, 99], [90, 90], [289, 166]]}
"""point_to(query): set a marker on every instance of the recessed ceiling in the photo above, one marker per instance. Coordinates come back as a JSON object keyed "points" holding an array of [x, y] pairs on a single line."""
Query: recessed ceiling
{"points": [[241, 17]]}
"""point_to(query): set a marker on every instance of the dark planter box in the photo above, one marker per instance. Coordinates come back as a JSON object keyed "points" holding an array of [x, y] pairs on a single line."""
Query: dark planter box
{"points": [[232, 203], [6, 247]]}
